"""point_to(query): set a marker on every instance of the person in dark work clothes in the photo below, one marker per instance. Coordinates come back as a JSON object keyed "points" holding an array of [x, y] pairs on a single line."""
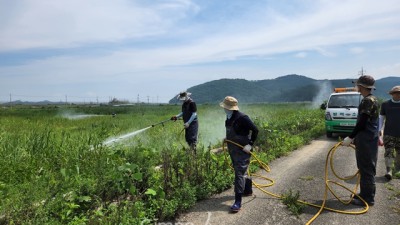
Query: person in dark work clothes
{"points": [[365, 137], [389, 127], [189, 115], [241, 131]]}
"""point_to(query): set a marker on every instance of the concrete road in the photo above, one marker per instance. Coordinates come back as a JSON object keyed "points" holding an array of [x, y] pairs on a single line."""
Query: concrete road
{"points": [[302, 171]]}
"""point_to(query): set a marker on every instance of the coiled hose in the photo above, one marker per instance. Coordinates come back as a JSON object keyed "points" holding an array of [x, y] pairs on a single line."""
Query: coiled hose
{"points": [[328, 162]]}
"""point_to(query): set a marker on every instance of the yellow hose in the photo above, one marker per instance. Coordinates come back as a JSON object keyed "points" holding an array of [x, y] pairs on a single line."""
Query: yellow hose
{"points": [[329, 158]]}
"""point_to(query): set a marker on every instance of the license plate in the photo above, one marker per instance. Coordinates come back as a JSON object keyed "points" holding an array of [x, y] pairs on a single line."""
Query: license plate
{"points": [[347, 124]]}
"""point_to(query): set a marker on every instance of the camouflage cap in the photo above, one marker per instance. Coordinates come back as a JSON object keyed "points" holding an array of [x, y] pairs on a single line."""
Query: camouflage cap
{"points": [[366, 81]]}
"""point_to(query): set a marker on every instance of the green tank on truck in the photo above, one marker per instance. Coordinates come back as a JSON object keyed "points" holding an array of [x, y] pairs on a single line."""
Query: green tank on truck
{"points": [[341, 111]]}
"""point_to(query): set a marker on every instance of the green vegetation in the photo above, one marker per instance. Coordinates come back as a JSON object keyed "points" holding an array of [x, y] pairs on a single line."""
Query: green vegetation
{"points": [[55, 168], [395, 195], [307, 178], [290, 199]]}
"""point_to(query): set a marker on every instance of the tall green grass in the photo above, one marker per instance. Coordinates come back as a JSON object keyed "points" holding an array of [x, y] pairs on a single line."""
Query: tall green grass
{"points": [[55, 170]]}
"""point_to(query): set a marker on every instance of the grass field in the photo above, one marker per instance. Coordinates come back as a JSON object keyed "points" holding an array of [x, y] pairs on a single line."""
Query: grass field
{"points": [[56, 169]]}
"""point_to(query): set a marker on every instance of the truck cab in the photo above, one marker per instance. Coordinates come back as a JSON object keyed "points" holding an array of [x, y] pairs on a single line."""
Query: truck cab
{"points": [[341, 111]]}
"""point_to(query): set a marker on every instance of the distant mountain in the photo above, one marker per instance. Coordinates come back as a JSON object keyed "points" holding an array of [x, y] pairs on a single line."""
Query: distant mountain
{"points": [[40, 103], [289, 88]]}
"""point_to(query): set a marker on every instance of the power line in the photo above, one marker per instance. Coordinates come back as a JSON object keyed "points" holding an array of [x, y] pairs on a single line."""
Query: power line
{"points": [[70, 98]]}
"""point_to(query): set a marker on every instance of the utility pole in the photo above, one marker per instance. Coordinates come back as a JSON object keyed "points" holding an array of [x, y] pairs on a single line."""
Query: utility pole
{"points": [[362, 72]]}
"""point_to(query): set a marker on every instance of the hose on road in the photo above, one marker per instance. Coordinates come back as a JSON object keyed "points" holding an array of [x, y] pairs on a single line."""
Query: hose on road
{"points": [[329, 166]]}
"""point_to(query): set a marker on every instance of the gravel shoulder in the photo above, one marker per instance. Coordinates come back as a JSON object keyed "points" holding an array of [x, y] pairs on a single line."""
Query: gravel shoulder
{"points": [[302, 171]]}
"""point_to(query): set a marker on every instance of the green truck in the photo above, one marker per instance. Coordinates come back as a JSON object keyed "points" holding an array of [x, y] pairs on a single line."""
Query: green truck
{"points": [[341, 111]]}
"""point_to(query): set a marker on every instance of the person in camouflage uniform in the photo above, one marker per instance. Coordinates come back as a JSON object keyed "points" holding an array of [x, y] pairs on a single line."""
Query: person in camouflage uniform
{"points": [[365, 138], [389, 120]]}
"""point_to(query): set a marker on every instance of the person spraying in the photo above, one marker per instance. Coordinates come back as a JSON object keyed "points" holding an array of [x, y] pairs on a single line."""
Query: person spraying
{"points": [[190, 121]]}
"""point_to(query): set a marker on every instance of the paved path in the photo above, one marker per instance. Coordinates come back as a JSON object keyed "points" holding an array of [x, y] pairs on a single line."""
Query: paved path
{"points": [[303, 171]]}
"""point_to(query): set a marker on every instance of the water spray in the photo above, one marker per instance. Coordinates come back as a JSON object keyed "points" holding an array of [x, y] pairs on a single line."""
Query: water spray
{"points": [[125, 136], [131, 134]]}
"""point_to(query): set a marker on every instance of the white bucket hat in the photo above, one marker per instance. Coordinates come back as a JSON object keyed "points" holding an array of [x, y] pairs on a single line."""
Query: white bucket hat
{"points": [[183, 95]]}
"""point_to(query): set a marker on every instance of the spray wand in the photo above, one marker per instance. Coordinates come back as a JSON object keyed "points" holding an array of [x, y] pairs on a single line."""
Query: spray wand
{"points": [[125, 136], [162, 123]]}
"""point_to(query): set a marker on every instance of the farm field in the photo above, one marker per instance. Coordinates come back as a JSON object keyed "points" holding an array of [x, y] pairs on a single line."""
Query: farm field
{"points": [[56, 168]]}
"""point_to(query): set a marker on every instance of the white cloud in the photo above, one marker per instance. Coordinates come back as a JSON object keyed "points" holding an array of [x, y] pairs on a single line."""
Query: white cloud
{"points": [[301, 55], [60, 24], [357, 50], [142, 43], [390, 69]]}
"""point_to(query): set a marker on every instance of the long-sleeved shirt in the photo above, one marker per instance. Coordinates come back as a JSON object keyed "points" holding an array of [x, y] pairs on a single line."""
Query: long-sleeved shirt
{"points": [[243, 125]]}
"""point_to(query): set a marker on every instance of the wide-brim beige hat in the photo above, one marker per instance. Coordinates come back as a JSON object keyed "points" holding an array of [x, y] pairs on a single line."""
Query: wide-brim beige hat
{"points": [[229, 103], [395, 89]]}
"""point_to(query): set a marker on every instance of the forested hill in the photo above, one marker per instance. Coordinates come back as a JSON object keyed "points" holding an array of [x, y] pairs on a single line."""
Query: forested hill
{"points": [[289, 88]]}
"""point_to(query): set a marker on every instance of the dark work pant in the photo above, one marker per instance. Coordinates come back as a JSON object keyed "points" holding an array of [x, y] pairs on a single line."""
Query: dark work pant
{"points": [[240, 161], [191, 133], [367, 155]]}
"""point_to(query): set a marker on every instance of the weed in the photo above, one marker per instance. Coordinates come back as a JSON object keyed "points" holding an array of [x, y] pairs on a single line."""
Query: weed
{"points": [[307, 178], [290, 199]]}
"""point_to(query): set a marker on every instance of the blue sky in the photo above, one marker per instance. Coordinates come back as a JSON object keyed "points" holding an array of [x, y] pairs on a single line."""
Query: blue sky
{"points": [[95, 50]]}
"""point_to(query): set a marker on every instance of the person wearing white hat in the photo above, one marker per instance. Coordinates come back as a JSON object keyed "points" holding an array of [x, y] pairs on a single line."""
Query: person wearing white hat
{"points": [[389, 128], [242, 131], [190, 121], [365, 137]]}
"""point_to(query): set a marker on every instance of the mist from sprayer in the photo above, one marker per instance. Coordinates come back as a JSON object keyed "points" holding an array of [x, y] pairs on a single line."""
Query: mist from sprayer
{"points": [[211, 131], [325, 89], [125, 136], [211, 126], [75, 116]]}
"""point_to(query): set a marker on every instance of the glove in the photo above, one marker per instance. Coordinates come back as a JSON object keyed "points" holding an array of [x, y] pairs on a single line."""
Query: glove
{"points": [[247, 149], [174, 118], [186, 125], [347, 141]]}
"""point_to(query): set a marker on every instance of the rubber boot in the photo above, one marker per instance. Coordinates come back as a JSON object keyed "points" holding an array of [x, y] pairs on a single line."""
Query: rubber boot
{"points": [[397, 165], [389, 164], [368, 194], [238, 203], [356, 196], [248, 190]]}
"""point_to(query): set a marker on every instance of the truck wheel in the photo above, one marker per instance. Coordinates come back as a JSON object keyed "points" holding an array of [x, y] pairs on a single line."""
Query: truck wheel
{"points": [[329, 134]]}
